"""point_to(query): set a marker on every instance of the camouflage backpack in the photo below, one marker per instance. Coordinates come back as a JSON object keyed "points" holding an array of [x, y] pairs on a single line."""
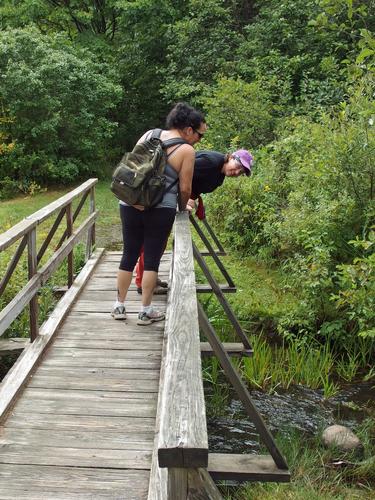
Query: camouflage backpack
{"points": [[139, 178]]}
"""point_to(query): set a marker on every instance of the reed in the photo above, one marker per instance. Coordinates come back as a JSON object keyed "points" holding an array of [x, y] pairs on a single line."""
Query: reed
{"points": [[273, 367]]}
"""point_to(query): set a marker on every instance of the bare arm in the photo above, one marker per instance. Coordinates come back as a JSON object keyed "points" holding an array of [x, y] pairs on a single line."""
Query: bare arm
{"points": [[186, 175]]}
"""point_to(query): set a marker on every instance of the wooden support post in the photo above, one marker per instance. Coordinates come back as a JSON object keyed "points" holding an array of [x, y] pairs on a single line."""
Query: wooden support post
{"points": [[69, 232], [75, 215], [191, 484], [50, 235], [214, 237], [201, 486], [177, 483], [90, 242], [212, 253], [12, 265], [223, 301], [240, 388], [32, 269]]}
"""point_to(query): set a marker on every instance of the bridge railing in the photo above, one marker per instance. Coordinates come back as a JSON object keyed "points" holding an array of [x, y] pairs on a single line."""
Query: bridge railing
{"points": [[25, 232], [182, 443], [182, 467]]}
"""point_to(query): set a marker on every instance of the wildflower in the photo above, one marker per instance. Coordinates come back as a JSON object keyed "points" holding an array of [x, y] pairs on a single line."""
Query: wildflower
{"points": [[267, 188]]}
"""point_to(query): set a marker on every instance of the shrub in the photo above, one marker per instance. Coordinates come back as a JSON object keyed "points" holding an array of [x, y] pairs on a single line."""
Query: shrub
{"points": [[239, 113]]}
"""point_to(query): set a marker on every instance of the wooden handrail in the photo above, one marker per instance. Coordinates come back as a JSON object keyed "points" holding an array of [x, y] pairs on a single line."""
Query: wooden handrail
{"points": [[26, 229], [28, 223], [183, 441]]}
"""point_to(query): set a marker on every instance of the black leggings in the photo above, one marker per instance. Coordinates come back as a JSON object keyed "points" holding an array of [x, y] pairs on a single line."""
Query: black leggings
{"points": [[148, 228]]}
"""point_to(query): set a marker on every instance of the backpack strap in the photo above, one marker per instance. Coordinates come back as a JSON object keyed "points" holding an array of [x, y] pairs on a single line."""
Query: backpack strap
{"points": [[173, 142], [171, 185], [156, 133]]}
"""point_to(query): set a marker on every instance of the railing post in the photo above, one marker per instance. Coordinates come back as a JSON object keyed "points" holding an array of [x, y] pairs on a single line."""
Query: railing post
{"points": [[69, 231], [177, 483], [90, 242], [32, 269]]}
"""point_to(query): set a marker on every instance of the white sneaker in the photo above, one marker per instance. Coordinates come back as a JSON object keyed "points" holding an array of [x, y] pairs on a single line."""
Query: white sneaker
{"points": [[150, 317], [118, 312]]}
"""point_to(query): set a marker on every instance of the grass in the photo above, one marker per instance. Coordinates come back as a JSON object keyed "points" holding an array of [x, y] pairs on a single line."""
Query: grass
{"points": [[314, 474], [14, 210]]}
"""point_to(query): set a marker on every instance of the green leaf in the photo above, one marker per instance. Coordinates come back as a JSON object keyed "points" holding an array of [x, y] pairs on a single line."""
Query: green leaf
{"points": [[363, 55]]}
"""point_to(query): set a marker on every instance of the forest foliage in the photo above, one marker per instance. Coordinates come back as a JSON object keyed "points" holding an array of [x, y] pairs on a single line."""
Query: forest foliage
{"points": [[293, 81]]}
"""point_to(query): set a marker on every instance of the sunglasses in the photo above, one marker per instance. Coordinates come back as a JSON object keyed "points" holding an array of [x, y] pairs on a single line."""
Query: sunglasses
{"points": [[199, 133]]}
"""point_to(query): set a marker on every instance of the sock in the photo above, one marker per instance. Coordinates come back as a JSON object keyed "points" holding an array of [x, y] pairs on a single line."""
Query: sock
{"points": [[146, 309], [119, 304]]}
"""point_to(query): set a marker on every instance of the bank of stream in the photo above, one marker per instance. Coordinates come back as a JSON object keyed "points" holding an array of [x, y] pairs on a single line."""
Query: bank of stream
{"points": [[297, 409]]}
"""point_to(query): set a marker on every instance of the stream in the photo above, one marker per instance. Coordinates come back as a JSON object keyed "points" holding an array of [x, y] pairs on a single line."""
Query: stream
{"points": [[299, 408]]}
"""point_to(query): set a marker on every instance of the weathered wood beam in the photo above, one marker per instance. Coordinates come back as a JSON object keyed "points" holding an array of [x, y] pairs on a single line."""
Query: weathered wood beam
{"points": [[240, 388], [223, 301], [23, 227], [75, 215], [50, 235], [231, 348], [209, 289], [212, 253], [237, 467], [183, 441], [13, 264], [204, 253], [213, 236]]}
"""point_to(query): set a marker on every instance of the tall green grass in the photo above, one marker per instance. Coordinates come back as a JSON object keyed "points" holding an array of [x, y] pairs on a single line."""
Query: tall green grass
{"points": [[314, 474], [272, 367]]}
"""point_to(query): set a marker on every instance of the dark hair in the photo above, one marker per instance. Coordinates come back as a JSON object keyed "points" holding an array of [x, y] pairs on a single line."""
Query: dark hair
{"points": [[183, 115]]}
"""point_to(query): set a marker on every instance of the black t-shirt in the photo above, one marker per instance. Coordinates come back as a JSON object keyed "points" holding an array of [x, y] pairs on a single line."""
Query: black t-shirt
{"points": [[207, 172]]}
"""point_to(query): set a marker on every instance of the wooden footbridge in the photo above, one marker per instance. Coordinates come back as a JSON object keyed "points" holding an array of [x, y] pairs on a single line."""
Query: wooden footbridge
{"points": [[96, 408]]}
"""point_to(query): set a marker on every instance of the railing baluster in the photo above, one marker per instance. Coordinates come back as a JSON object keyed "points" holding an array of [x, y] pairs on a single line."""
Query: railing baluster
{"points": [[12, 265], [32, 269], [50, 235], [214, 237], [75, 215], [69, 231], [90, 243]]}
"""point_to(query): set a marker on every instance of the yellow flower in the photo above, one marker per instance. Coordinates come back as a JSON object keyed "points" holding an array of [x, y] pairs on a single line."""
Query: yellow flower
{"points": [[267, 188]]}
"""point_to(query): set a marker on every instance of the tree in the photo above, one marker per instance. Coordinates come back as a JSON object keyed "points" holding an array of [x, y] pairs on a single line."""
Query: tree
{"points": [[58, 102], [70, 16], [200, 47]]}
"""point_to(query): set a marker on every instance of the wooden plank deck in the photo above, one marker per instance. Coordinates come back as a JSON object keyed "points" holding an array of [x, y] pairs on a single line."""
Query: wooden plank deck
{"points": [[84, 425]]}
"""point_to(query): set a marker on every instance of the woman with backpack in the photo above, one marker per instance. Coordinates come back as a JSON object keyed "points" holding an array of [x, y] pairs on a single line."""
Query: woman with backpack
{"points": [[210, 170], [150, 228]]}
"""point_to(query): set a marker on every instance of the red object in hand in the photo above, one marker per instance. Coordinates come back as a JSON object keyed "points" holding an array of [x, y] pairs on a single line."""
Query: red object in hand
{"points": [[200, 211]]}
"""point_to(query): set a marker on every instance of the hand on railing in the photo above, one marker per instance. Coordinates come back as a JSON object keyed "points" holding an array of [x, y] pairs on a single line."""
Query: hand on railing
{"points": [[198, 205]]}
